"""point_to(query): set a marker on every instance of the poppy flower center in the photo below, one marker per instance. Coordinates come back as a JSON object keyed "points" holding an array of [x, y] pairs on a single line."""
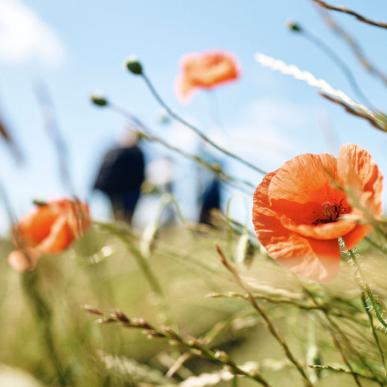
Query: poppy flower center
{"points": [[331, 212]]}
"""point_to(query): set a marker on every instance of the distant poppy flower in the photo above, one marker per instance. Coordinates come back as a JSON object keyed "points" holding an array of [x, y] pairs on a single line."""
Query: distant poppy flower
{"points": [[205, 71], [300, 211], [50, 228]]}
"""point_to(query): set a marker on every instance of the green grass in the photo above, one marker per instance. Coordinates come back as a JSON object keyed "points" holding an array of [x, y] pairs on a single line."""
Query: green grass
{"points": [[101, 271]]}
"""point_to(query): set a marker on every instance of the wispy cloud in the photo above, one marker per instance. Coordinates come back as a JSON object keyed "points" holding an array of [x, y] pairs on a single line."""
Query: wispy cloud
{"points": [[266, 133], [25, 36]]}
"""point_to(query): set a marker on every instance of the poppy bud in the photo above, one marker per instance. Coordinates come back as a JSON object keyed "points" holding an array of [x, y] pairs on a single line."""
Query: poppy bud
{"points": [[39, 203], [99, 100], [294, 26], [134, 65]]}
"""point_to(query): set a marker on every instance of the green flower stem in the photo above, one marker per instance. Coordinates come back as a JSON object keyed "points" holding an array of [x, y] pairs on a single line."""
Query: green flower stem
{"points": [[370, 303], [193, 345], [336, 333], [269, 324], [143, 264], [43, 315], [196, 130], [241, 184]]}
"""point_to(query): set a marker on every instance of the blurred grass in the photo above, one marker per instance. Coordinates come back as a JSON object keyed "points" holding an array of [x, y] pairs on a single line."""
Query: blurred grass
{"points": [[100, 271]]}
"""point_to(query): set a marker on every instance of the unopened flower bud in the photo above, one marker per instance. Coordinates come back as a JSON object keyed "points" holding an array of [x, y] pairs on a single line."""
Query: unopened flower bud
{"points": [[294, 26], [134, 65], [39, 203], [99, 100]]}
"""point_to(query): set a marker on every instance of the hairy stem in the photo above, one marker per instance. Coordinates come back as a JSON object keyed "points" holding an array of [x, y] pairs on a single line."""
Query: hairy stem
{"points": [[193, 345], [272, 329], [348, 11], [196, 130]]}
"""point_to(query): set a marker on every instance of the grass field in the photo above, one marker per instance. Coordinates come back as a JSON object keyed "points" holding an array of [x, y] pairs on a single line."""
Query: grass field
{"points": [[184, 261]]}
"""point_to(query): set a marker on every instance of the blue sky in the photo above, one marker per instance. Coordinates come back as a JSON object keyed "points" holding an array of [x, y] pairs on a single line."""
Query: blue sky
{"points": [[77, 47]]}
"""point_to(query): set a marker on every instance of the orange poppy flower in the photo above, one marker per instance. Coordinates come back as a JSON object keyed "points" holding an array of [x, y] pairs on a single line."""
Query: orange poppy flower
{"points": [[50, 228], [300, 211], [205, 71]]}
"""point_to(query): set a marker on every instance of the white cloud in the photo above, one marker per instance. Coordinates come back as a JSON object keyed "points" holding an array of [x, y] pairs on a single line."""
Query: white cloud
{"points": [[25, 36]]}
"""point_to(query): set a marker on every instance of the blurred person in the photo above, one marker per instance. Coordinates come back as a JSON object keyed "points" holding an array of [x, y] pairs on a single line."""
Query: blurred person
{"points": [[210, 188], [210, 201], [121, 175]]}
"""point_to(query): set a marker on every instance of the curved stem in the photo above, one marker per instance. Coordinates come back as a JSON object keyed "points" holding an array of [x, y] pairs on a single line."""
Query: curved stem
{"points": [[374, 333], [214, 168], [144, 266], [334, 331], [367, 298], [196, 130], [272, 329], [53, 131], [213, 109], [42, 311], [348, 11], [340, 63], [354, 45], [192, 345], [367, 291]]}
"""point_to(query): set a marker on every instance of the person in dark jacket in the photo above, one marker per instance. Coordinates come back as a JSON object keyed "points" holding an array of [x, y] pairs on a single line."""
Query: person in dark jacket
{"points": [[210, 188], [211, 200], [121, 175]]}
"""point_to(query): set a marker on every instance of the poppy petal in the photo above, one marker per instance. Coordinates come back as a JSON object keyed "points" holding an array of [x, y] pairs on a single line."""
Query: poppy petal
{"points": [[305, 178], [318, 260], [184, 89], [325, 231], [35, 227], [23, 261], [58, 239], [361, 176], [356, 235]]}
